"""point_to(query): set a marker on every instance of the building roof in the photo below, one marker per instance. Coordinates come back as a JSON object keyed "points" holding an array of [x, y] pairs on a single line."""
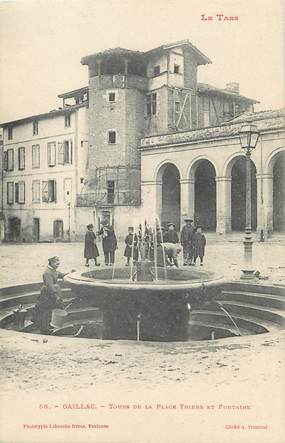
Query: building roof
{"points": [[52, 113], [202, 58], [205, 88], [109, 52], [255, 116], [264, 120], [70, 94]]}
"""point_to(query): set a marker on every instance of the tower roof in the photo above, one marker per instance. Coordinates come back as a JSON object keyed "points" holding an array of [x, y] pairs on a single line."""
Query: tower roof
{"points": [[202, 59]]}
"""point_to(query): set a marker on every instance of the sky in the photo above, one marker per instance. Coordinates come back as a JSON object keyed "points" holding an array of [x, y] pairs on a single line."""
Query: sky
{"points": [[42, 42]]}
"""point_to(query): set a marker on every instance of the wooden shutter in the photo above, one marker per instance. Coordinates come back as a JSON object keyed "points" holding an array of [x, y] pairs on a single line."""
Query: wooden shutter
{"points": [[61, 153], [45, 191], [51, 190], [21, 158], [5, 160], [10, 192], [21, 190], [16, 192], [10, 159], [51, 154], [36, 191]]}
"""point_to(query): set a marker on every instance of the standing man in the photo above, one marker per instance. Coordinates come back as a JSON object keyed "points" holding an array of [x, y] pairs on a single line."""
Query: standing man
{"points": [[90, 247], [109, 242], [186, 241], [49, 297]]}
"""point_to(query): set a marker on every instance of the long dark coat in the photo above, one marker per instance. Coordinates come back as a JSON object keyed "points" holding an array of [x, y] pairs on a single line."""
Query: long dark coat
{"points": [[90, 247], [186, 235], [109, 241], [199, 242], [48, 299], [131, 246]]}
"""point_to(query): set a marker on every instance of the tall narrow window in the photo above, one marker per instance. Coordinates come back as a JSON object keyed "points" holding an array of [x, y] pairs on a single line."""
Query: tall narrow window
{"points": [[21, 158], [64, 152], [176, 69], [5, 161], [51, 153], [110, 191], [151, 104], [10, 159], [20, 192], [177, 106], [67, 120], [16, 192], [10, 132], [36, 191], [10, 193], [35, 156], [49, 191], [35, 127], [156, 70], [111, 137], [112, 97]]}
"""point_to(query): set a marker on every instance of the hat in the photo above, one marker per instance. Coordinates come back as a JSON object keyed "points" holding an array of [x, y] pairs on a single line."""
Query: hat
{"points": [[130, 228], [188, 219], [53, 259], [89, 226], [171, 224]]}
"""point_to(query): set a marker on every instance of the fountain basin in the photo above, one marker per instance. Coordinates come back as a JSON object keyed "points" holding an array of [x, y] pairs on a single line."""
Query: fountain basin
{"points": [[148, 310]]}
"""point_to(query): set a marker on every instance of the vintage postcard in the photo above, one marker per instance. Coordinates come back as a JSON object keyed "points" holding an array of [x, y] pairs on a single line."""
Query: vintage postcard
{"points": [[142, 221]]}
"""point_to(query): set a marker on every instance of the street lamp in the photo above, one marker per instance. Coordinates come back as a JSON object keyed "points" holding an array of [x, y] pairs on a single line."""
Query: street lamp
{"points": [[248, 135]]}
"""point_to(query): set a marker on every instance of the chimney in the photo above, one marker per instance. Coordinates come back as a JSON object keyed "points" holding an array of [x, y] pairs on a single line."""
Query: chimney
{"points": [[233, 87]]}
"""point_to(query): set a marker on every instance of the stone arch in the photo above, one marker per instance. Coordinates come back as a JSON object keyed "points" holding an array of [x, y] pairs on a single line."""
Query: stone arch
{"points": [[272, 158], [229, 163], [275, 168], [169, 193], [203, 172], [235, 168], [196, 162], [160, 168]]}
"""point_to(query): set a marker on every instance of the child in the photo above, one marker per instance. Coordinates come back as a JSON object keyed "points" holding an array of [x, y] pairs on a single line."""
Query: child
{"points": [[131, 249], [199, 242], [170, 241]]}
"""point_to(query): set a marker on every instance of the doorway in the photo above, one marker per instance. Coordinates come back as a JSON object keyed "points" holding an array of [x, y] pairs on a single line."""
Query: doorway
{"points": [[36, 229], [58, 229]]}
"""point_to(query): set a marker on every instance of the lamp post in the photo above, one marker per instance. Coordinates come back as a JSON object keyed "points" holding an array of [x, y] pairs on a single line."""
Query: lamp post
{"points": [[248, 135]]}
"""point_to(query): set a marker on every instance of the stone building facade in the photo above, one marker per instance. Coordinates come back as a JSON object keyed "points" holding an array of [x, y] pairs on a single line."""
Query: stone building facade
{"points": [[201, 174], [144, 138], [44, 166]]}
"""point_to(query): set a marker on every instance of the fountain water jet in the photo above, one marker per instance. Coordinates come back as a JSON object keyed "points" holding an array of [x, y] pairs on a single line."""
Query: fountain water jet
{"points": [[153, 307]]}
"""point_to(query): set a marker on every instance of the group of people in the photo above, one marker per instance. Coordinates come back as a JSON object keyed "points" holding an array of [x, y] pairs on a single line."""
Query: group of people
{"points": [[109, 243], [192, 241]]}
